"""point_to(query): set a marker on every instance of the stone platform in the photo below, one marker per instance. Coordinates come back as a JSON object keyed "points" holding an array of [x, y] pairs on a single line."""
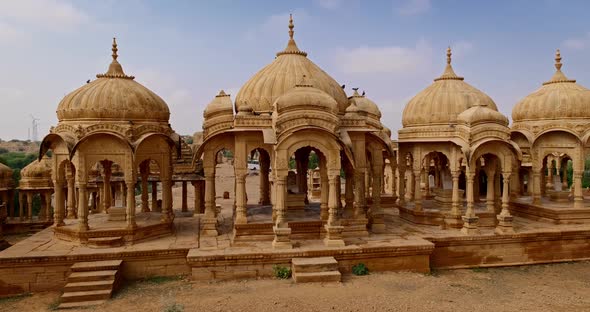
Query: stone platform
{"points": [[551, 211], [434, 214]]}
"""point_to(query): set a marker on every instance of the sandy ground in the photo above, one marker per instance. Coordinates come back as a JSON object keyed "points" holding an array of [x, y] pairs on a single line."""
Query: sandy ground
{"points": [[556, 287]]}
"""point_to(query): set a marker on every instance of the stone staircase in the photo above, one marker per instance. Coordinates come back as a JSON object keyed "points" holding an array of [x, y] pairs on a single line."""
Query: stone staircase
{"points": [[321, 269], [90, 283]]}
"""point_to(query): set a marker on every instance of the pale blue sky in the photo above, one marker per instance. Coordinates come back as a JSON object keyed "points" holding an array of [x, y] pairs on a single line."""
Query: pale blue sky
{"points": [[186, 51]]}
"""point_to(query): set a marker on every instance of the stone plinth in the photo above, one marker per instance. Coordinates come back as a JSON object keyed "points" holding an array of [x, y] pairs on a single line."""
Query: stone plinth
{"points": [[559, 196], [117, 214], [295, 201], [282, 238], [334, 236], [444, 197]]}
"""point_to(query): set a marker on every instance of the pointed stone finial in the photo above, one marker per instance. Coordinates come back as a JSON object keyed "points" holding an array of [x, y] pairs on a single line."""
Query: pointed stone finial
{"points": [[114, 49], [222, 94], [291, 26], [558, 60], [449, 55]]}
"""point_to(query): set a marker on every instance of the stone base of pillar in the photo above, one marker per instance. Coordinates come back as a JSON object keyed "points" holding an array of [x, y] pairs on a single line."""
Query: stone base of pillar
{"points": [[82, 227], [504, 225], [209, 227], [132, 226], [453, 221], [578, 203], [470, 225], [334, 236], [378, 226], [70, 216], [240, 219], [324, 213], [282, 238], [536, 200]]}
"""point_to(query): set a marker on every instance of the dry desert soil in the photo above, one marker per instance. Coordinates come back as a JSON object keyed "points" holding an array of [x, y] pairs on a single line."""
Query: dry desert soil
{"points": [[555, 287]]}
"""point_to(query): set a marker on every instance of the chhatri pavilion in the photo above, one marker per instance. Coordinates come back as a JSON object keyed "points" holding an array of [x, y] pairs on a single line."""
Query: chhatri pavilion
{"points": [[293, 171]]}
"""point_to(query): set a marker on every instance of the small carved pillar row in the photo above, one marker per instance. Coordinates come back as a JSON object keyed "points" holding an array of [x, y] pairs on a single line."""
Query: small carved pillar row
{"points": [[578, 195], [241, 213], [71, 213], [144, 171], [323, 189], [58, 211], [82, 207], [209, 220], [155, 207], [470, 219], [504, 218], [377, 219], [106, 187], [490, 191], [333, 228], [536, 186], [281, 228], [184, 207], [417, 189], [264, 180], [30, 206], [359, 198], [131, 224]]}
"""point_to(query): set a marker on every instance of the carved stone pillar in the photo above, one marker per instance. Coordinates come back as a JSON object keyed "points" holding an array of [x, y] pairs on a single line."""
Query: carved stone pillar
{"points": [[21, 205], [281, 229], [536, 186], [131, 224], [491, 187], [377, 219], [107, 196], [349, 194], [155, 207], [144, 170], [359, 198], [30, 206], [209, 220], [184, 197], [578, 194], [455, 204], [333, 227], [198, 195], [504, 218], [58, 211], [264, 180], [71, 198], [47, 205], [82, 207], [402, 187], [167, 212], [417, 191], [323, 192], [241, 213], [470, 219]]}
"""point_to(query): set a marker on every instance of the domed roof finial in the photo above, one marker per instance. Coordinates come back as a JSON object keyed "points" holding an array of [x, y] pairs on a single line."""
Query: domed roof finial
{"points": [[115, 69], [114, 49], [449, 73], [291, 26], [558, 60]]}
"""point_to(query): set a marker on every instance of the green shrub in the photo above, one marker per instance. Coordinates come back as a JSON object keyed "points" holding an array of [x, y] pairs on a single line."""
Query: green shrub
{"points": [[281, 272], [360, 269]]}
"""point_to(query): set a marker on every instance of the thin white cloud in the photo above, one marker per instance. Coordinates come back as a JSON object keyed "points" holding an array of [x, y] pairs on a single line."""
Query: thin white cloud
{"points": [[412, 7], [388, 59], [276, 24], [579, 43]]}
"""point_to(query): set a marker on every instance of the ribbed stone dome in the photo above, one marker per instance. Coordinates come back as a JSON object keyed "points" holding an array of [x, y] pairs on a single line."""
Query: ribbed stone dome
{"points": [[220, 104], [444, 100], [558, 99], [481, 114], [305, 97], [113, 96], [280, 76], [37, 169]]}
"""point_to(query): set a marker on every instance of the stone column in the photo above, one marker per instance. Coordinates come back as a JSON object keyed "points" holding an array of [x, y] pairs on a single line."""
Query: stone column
{"points": [[504, 218], [131, 224], [184, 195], [411, 186], [377, 220], [71, 199], [333, 227], [167, 200], [21, 204], [491, 186], [106, 197], [536, 186], [58, 211], [402, 187], [197, 199], [470, 219], [264, 162], [124, 191], [155, 207], [241, 213], [417, 191], [426, 178], [47, 205], [359, 198], [578, 192], [281, 228], [549, 184], [144, 190], [30, 206], [349, 194], [323, 191], [455, 204], [82, 207], [5, 200], [209, 220]]}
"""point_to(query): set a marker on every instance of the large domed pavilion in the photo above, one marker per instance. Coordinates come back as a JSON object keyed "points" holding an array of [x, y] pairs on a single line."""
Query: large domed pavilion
{"points": [[453, 137], [287, 111]]}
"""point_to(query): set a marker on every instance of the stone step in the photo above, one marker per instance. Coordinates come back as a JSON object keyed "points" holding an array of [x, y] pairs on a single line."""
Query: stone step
{"points": [[96, 265], [80, 296], [310, 265], [91, 276], [105, 242], [329, 276], [89, 286], [81, 304]]}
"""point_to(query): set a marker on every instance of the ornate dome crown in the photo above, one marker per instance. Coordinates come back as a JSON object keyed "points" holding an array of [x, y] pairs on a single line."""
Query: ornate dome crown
{"points": [[220, 104], [113, 96], [559, 98], [364, 104], [272, 81], [444, 100], [37, 169]]}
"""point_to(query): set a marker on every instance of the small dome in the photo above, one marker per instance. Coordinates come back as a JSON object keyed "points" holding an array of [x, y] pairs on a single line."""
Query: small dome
{"points": [[221, 104], [113, 96], [5, 172], [37, 169], [481, 114], [305, 97], [444, 100], [558, 99], [365, 105], [280, 76]]}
